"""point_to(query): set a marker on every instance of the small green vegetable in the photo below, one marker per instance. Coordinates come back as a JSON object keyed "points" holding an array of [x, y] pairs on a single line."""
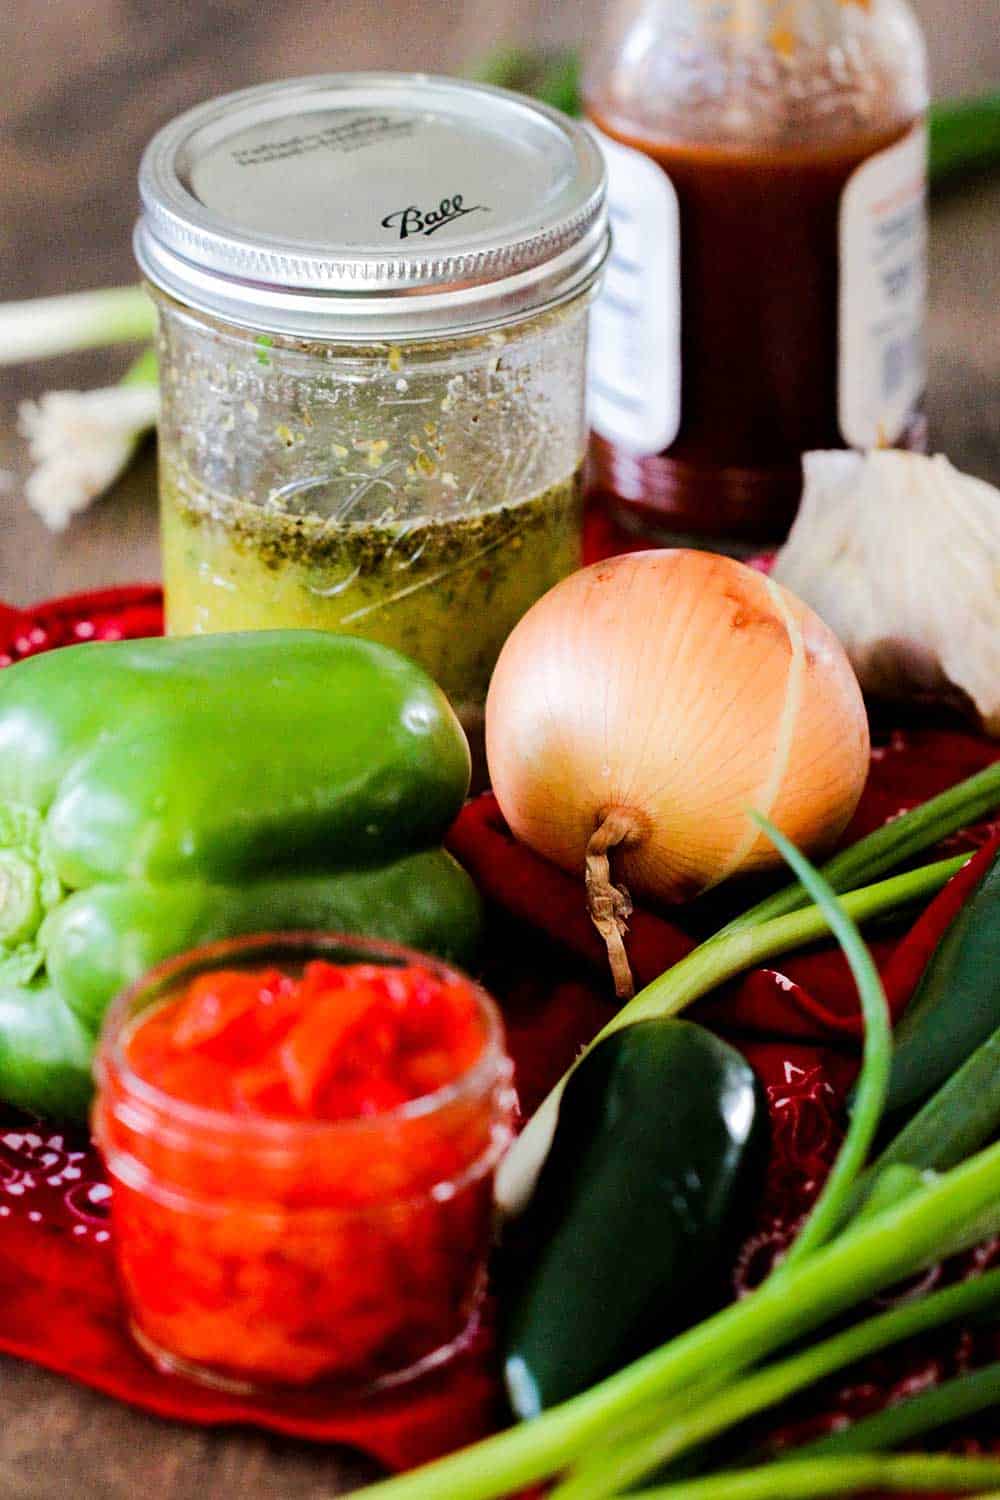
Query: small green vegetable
{"points": [[160, 793], [658, 1153], [956, 1006]]}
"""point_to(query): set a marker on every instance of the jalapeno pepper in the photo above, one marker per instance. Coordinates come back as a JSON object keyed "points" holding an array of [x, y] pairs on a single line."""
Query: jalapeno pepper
{"points": [[657, 1155], [160, 793]]}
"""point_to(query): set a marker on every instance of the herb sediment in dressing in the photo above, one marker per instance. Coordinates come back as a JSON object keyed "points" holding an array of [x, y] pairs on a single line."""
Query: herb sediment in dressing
{"points": [[423, 495], [446, 591]]}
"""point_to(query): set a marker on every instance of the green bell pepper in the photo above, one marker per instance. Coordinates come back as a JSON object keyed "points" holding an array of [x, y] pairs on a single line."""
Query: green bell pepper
{"points": [[163, 793], [100, 939], [45, 1052], [657, 1156]]}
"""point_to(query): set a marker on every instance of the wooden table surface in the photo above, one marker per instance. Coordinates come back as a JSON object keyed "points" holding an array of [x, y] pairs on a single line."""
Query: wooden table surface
{"points": [[87, 83]]}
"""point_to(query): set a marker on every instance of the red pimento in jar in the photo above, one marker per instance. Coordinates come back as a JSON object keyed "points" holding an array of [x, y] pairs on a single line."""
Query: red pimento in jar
{"points": [[302, 1157]]}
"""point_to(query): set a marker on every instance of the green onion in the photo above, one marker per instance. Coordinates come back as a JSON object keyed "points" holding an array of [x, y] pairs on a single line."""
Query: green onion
{"points": [[964, 136], [835, 1476], [43, 326], [888, 846], [871, 1088], [551, 76], [668, 1434], [81, 441], [952, 1213], [964, 1396], [960, 1118], [891, 1187], [696, 975]]}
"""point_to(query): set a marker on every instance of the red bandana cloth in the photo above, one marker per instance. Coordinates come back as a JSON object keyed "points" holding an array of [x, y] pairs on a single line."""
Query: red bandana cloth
{"points": [[799, 1025]]}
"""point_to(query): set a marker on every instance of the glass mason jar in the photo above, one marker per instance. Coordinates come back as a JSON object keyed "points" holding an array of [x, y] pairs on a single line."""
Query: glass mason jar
{"points": [[373, 295], [259, 1253], [766, 292]]}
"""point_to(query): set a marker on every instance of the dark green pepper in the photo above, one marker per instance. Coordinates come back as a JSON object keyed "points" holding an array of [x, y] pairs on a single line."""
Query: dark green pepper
{"points": [[162, 793], [657, 1156], [956, 1006]]}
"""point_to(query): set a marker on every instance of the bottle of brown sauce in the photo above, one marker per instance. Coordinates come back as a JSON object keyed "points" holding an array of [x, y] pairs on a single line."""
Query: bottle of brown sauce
{"points": [[765, 296]]}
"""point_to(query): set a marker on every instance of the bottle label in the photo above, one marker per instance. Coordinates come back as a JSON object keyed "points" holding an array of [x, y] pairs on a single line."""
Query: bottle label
{"points": [[883, 289], [634, 368]]}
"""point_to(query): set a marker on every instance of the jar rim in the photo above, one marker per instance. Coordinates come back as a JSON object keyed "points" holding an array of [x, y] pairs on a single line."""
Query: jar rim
{"points": [[222, 182], [261, 1130]]}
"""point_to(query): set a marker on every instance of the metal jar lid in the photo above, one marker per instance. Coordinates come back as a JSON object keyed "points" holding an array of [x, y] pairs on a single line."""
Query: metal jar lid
{"points": [[371, 205]]}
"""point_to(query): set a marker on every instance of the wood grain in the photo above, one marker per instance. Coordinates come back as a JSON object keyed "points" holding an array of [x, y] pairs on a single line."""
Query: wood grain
{"points": [[84, 84]]}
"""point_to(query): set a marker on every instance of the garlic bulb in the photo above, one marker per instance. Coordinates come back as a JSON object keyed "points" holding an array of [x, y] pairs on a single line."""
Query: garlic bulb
{"points": [[900, 555]]}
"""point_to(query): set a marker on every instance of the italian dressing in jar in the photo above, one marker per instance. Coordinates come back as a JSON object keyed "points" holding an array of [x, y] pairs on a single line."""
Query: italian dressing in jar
{"points": [[373, 294]]}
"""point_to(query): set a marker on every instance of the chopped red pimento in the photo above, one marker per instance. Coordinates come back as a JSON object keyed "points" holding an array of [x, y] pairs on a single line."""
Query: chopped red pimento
{"points": [[344, 1040], [312, 1049], [235, 1009], [317, 1252]]}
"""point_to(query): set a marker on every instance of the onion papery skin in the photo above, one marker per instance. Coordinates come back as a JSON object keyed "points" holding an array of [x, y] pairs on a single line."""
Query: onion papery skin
{"points": [[679, 689]]}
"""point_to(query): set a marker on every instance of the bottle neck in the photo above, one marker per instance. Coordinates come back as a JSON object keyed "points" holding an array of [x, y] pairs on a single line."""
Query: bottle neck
{"points": [[762, 71]]}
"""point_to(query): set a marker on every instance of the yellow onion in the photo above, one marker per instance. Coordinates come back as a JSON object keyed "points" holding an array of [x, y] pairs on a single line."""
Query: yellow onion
{"points": [[646, 704]]}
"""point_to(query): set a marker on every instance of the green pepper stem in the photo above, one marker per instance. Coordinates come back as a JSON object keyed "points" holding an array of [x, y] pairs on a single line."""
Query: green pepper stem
{"points": [[952, 1213], [700, 972], [619, 1467], [836, 1476]]}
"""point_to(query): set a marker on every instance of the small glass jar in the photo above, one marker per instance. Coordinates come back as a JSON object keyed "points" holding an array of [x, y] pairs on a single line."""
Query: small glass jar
{"points": [[258, 1253], [373, 295]]}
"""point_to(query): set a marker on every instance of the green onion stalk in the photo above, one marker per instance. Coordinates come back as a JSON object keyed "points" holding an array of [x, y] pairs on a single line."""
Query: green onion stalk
{"points": [[962, 1117], [44, 326], [963, 1396], [665, 1435], [843, 1476], [874, 1080]]}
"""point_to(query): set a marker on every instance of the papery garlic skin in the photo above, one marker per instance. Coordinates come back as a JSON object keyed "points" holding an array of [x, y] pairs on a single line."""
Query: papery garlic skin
{"points": [[900, 555]]}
